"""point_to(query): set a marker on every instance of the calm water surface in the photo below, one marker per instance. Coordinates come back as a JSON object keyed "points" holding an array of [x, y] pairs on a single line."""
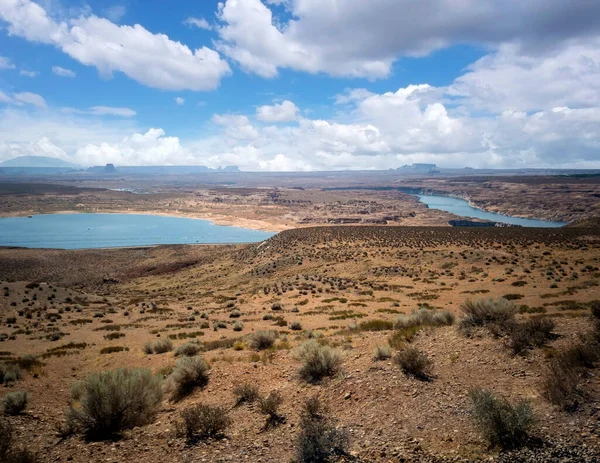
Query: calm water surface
{"points": [[461, 207], [82, 231]]}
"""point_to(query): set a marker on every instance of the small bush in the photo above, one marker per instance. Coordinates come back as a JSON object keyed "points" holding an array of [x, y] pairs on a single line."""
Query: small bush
{"points": [[319, 440], [148, 348], [15, 402], [269, 406], [162, 346], [318, 361], [560, 384], [9, 373], [263, 340], [501, 423], [296, 326], [376, 325], [189, 373], [414, 363], [235, 313], [400, 337], [535, 332], [485, 312], [424, 317], [562, 379], [382, 353], [200, 422], [189, 349], [245, 393], [238, 326], [116, 400]]}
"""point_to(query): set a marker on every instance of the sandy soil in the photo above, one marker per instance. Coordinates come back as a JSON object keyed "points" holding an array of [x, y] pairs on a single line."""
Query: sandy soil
{"points": [[330, 280]]}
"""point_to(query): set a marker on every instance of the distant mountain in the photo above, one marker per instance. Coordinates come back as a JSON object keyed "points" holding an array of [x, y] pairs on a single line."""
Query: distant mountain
{"points": [[38, 161]]}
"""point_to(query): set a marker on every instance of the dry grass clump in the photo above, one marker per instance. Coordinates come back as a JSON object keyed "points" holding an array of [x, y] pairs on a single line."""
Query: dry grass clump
{"points": [[8, 452], [501, 423], [9, 374], [486, 312], [263, 339], [382, 353], [319, 440], [245, 393], [535, 332], [424, 317], [162, 346], [201, 422], [562, 380], [414, 363], [189, 349], [238, 326], [269, 406], [296, 326], [318, 361], [116, 400], [189, 373], [14, 403], [376, 325]]}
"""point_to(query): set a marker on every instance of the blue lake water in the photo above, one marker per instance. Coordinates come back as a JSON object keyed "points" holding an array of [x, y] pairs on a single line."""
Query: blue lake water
{"points": [[82, 231], [461, 207]]}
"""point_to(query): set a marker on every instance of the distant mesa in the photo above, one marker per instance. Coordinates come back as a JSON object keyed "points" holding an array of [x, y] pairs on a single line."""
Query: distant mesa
{"points": [[38, 162], [421, 167], [159, 170]]}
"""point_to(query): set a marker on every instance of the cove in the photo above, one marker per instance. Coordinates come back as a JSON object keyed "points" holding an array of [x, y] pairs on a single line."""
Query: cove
{"points": [[86, 231], [462, 208]]}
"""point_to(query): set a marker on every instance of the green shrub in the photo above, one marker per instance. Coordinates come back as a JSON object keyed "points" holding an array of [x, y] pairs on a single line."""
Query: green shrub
{"points": [[501, 423], [162, 346], [116, 400], [382, 353], [14, 403], [245, 393], [189, 373], [318, 361], [414, 363], [424, 317], [269, 406], [263, 339], [9, 373], [319, 440], [485, 312], [189, 349], [200, 422]]}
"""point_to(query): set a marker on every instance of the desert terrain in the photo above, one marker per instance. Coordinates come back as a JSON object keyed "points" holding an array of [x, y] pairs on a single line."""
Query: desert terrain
{"points": [[350, 290], [286, 201]]}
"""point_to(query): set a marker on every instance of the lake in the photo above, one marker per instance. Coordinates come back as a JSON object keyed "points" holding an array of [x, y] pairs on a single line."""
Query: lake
{"points": [[462, 208], [83, 231]]}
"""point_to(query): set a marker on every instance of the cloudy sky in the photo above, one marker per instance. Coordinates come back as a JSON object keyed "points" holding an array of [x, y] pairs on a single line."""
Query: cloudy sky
{"points": [[302, 84]]}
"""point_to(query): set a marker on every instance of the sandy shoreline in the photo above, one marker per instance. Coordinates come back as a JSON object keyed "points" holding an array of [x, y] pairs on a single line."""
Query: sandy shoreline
{"points": [[216, 219]]}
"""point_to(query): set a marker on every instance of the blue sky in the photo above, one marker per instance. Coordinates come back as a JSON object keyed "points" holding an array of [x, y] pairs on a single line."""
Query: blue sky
{"points": [[301, 84]]}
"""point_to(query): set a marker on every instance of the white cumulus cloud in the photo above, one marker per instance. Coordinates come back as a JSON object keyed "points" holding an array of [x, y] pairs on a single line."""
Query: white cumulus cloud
{"points": [[151, 59], [285, 111], [62, 72], [200, 23]]}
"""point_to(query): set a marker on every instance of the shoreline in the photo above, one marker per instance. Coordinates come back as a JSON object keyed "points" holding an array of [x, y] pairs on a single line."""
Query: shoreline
{"points": [[215, 219]]}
